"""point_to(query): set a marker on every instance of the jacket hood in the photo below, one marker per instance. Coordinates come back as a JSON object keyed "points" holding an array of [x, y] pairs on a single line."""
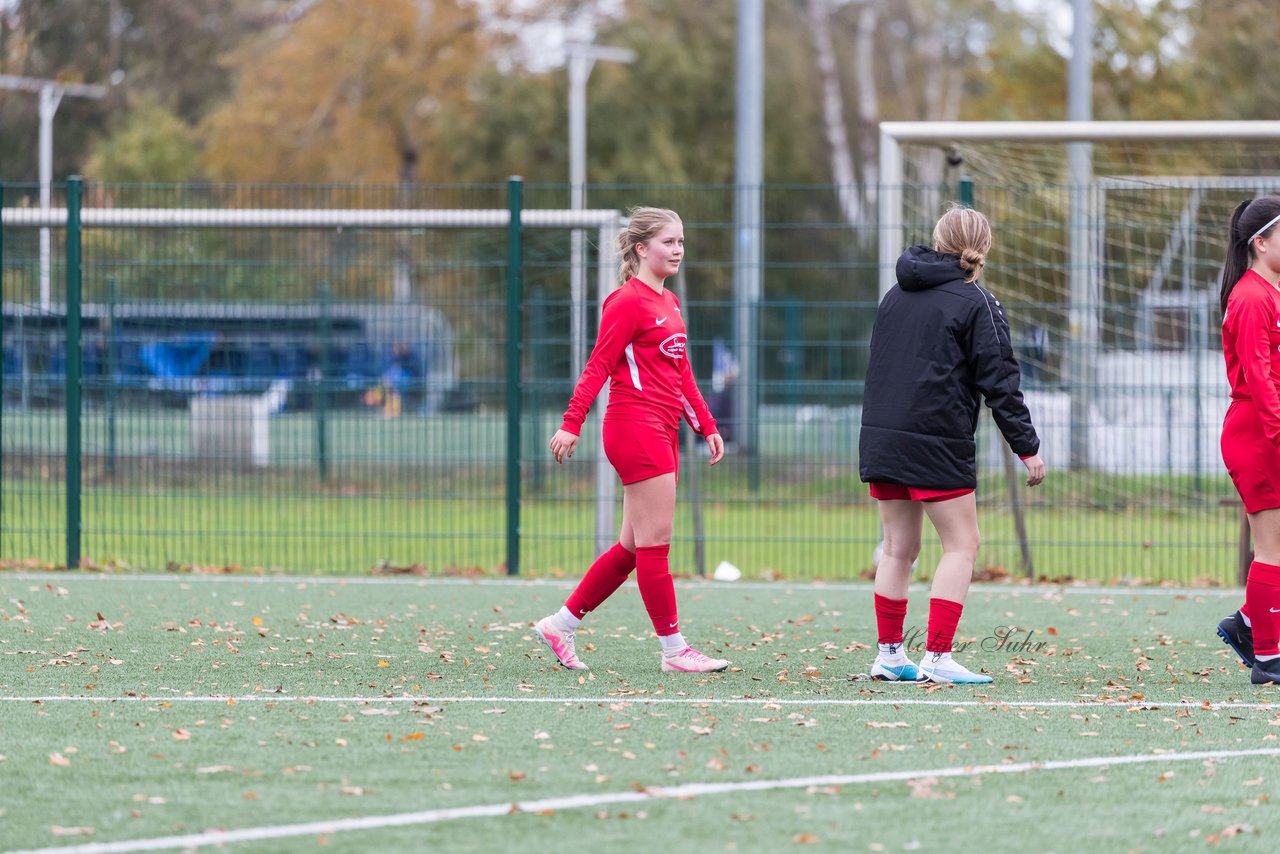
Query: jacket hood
{"points": [[921, 268]]}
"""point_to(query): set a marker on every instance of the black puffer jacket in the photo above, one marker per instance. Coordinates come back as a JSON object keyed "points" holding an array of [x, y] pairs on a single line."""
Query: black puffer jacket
{"points": [[940, 345]]}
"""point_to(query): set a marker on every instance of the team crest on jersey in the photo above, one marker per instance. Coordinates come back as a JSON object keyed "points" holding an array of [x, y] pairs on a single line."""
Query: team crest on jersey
{"points": [[674, 346]]}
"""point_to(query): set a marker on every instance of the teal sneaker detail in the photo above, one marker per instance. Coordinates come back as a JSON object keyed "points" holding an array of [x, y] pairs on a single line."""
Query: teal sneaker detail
{"points": [[900, 670], [942, 668]]}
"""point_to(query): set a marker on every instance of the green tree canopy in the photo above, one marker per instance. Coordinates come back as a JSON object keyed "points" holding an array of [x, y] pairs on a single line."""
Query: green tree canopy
{"points": [[170, 53], [148, 144]]}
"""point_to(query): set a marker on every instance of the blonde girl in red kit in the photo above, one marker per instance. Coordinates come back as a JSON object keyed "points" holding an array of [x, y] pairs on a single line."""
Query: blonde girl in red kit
{"points": [[640, 349], [1250, 303]]}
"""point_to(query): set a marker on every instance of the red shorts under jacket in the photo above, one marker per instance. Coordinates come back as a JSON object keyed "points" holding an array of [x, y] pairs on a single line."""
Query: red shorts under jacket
{"points": [[896, 492]]}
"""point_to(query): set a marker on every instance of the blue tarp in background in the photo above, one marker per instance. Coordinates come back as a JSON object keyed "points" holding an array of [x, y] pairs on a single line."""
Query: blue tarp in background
{"points": [[182, 358]]}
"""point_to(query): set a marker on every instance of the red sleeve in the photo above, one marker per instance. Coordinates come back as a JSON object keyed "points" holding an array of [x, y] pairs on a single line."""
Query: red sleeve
{"points": [[1253, 347], [695, 408], [617, 328]]}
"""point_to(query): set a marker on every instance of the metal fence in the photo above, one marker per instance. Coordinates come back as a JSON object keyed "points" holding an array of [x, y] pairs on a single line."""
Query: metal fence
{"points": [[354, 393]]}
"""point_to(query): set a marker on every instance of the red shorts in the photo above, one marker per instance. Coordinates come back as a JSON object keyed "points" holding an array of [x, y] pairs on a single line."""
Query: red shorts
{"points": [[1252, 461], [639, 450], [897, 492]]}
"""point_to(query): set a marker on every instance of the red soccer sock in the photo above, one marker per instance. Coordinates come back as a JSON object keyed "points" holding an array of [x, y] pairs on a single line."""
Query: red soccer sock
{"points": [[944, 616], [1262, 593], [601, 581], [890, 615], [657, 589]]}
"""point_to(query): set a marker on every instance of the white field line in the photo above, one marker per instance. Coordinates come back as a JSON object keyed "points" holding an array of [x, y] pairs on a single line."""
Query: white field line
{"points": [[228, 699], [690, 790], [1037, 590]]}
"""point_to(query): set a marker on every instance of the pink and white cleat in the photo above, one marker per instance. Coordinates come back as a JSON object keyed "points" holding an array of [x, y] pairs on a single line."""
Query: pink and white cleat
{"points": [[689, 660], [560, 641]]}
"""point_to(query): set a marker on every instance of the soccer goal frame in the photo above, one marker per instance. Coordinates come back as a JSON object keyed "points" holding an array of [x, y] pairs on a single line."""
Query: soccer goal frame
{"points": [[603, 222], [1084, 277]]}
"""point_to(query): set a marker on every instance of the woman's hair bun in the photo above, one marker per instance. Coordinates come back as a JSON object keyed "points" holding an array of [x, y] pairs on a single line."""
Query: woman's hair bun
{"points": [[972, 259]]}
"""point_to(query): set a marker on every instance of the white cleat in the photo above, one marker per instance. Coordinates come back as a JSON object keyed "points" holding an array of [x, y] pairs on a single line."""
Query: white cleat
{"points": [[560, 641], [942, 668], [689, 660], [894, 669]]}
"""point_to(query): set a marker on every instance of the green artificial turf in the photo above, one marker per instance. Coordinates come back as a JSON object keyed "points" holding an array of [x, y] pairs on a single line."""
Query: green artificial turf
{"points": [[144, 707]]}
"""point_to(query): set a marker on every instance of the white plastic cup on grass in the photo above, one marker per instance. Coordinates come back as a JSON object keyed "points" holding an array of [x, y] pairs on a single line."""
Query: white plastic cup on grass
{"points": [[726, 572]]}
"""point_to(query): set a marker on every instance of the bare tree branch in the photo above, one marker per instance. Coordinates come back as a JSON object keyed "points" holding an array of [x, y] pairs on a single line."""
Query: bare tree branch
{"points": [[848, 193], [868, 102]]}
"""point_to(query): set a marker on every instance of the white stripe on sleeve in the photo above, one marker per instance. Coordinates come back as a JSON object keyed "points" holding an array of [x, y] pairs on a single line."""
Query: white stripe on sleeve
{"points": [[635, 369], [693, 416]]}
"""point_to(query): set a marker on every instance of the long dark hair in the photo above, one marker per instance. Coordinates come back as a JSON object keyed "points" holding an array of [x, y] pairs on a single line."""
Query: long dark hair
{"points": [[1250, 216]]}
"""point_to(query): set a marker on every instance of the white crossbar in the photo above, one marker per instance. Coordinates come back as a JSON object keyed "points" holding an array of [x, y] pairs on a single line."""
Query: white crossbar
{"points": [[1077, 131]]}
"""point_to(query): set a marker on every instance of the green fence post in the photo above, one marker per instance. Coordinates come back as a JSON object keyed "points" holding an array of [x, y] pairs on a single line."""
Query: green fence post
{"points": [[73, 371], [538, 356], [112, 337], [966, 191], [792, 355], [320, 402], [515, 263]]}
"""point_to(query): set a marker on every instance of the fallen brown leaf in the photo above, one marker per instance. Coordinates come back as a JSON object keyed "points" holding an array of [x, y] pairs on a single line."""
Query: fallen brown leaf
{"points": [[58, 830]]}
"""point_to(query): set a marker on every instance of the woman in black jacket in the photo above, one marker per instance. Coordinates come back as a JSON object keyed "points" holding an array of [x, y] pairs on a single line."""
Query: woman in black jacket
{"points": [[939, 347]]}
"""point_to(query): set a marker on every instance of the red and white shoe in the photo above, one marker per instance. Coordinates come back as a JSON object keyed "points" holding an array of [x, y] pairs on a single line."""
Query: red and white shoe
{"points": [[689, 660], [560, 641]]}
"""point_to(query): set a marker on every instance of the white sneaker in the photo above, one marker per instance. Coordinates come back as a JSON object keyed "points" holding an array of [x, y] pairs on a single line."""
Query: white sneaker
{"points": [[941, 667], [894, 668], [560, 641], [689, 660]]}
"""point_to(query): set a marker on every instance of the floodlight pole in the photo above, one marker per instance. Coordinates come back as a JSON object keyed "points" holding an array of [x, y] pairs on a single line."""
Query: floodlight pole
{"points": [[581, 58], [50, 93], [1082, 274], [748, 227]]}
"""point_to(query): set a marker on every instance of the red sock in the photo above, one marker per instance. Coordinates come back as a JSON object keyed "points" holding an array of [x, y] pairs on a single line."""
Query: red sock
{"points": [[944, 616], [1244, 609], [601, 581], [657, 589], [890, 614], [1262, 593]]}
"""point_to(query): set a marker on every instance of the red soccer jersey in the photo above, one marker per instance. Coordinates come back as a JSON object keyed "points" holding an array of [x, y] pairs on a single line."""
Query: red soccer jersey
{"points": [[641, 349], [1251, 346]]}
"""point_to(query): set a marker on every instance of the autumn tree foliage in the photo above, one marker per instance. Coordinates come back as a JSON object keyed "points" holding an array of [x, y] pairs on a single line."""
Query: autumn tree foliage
{"points": [[402, 91], [352, 91]]}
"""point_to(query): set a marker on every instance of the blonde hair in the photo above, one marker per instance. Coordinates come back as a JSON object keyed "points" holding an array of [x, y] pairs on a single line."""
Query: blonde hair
{"points": [[966, 234], [642, 224]]}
